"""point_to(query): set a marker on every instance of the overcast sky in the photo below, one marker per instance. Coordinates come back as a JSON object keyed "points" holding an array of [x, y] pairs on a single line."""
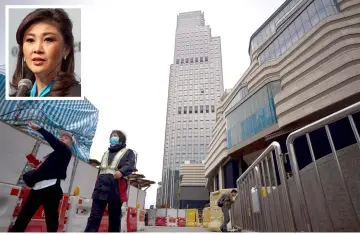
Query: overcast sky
{"points": [[127, 49]]}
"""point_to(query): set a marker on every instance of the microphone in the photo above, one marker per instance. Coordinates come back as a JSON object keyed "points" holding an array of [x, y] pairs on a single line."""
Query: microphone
{"points": [[23, 87]]}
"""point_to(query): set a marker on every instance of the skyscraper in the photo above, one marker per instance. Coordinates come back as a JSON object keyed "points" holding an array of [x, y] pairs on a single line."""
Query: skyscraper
{"points": [[195, 87]]}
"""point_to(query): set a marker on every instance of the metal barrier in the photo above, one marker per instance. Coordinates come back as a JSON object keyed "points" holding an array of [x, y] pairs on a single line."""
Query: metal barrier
{"points": [[262, 203], [336, 211]]}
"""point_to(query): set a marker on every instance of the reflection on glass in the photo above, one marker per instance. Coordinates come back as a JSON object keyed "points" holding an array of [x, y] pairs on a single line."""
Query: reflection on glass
{"points": [[310, 17], [270, 28], [253, 115]]}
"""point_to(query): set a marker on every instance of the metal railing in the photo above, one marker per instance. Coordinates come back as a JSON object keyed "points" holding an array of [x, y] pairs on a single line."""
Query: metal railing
{"points": [[263, 202], [334, 193]]}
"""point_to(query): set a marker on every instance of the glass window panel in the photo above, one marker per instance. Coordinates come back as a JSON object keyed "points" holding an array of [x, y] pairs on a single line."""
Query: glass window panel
{"points": [[286, 34], [273, 55], [298, 23], [278, 53], [318, 5], [311, 10], [267, 55], [304, 17], [330, 10], [307, 26], [288, 43], [264, 57], [283, 48], [276, 44], [261, 58], [294, 39], [271, 48], [281, 39], [268, 32], [263, 36], [272, 27], [322, 14], [292, 29], [300, 32], [315, 20], [328, 2]]}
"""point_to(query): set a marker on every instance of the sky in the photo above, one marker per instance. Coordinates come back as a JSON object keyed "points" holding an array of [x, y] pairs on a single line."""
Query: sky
{"points": [[127, 49]]}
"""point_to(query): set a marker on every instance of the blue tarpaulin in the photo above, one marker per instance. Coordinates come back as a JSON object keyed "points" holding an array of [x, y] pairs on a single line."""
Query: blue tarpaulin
{"points": [[79, 117]]}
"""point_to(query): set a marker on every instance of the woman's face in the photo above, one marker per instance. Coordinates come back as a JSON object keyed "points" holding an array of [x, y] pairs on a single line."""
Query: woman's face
{"points": [[44, 48], [114, 135]]}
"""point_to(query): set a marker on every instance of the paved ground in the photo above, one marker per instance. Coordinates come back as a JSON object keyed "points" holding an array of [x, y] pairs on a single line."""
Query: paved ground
{"points": [[175, 229]]}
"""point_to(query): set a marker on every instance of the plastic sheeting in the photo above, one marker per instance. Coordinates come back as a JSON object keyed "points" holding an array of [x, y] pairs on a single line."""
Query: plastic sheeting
{"points": [[79, 117]]}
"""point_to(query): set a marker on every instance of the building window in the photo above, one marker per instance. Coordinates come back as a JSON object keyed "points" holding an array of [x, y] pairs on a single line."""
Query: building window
{"points": [[182, 61], [185, 109], [201, 91], [206, 59], [191, 60], [201, 59], [196, 60], [201, 109], [190, 109], [196, 109], [311, 16], [212, 108], [177, 61], [179, 110], [187, 60], [207, 108]]}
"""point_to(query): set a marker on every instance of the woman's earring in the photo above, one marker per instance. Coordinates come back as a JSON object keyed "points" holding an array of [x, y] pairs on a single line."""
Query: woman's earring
{"points": [[65, 57], [24, 59]]}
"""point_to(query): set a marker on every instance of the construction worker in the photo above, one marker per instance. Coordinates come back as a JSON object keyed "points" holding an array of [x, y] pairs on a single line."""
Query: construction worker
{"points": [[45, 180], [225, 202], [111, 186]]}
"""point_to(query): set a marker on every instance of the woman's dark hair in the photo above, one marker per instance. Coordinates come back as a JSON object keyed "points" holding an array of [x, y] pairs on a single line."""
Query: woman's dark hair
{"points": [[65, 79], [121, 135]]}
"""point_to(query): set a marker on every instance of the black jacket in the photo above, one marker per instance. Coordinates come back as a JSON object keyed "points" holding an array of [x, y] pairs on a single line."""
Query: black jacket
{"points": [[107, 187], [56, 163]]}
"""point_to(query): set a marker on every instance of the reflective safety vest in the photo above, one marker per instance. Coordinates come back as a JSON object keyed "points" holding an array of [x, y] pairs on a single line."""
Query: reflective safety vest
{"points": [[113, 167]]}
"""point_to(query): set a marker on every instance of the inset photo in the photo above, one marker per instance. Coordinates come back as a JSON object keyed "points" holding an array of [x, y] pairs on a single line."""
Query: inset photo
{"points": [[43, 53]]}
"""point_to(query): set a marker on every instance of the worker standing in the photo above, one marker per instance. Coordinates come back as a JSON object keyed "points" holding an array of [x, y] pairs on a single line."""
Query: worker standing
{"points": [[225, 202], [111, 186]]}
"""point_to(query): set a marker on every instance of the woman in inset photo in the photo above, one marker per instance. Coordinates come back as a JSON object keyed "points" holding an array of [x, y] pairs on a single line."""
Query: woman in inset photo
{"points": [[46, 55]]}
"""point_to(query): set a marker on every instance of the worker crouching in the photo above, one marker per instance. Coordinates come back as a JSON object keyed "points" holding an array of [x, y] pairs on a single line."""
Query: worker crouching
{"points": [[111, 187]]}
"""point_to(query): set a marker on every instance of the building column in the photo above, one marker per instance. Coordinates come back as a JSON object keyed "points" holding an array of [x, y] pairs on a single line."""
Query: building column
{"points": [[221, 178]]}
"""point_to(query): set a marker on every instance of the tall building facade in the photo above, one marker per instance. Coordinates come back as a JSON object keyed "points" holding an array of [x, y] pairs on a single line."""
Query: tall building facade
{"points": [[195, 86], [305, 65]]}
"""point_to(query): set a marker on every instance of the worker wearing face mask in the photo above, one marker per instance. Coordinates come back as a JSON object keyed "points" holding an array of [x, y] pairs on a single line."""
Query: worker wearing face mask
{"points": [[111, 187]]}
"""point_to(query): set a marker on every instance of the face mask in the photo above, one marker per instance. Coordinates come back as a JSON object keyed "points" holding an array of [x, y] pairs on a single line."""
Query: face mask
{"points": [[114, 140]]}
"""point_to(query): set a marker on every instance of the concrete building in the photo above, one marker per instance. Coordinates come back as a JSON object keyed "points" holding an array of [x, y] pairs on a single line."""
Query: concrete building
{"points": [[158, 190], [192, 192], [304, 66], [195, 86]]}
